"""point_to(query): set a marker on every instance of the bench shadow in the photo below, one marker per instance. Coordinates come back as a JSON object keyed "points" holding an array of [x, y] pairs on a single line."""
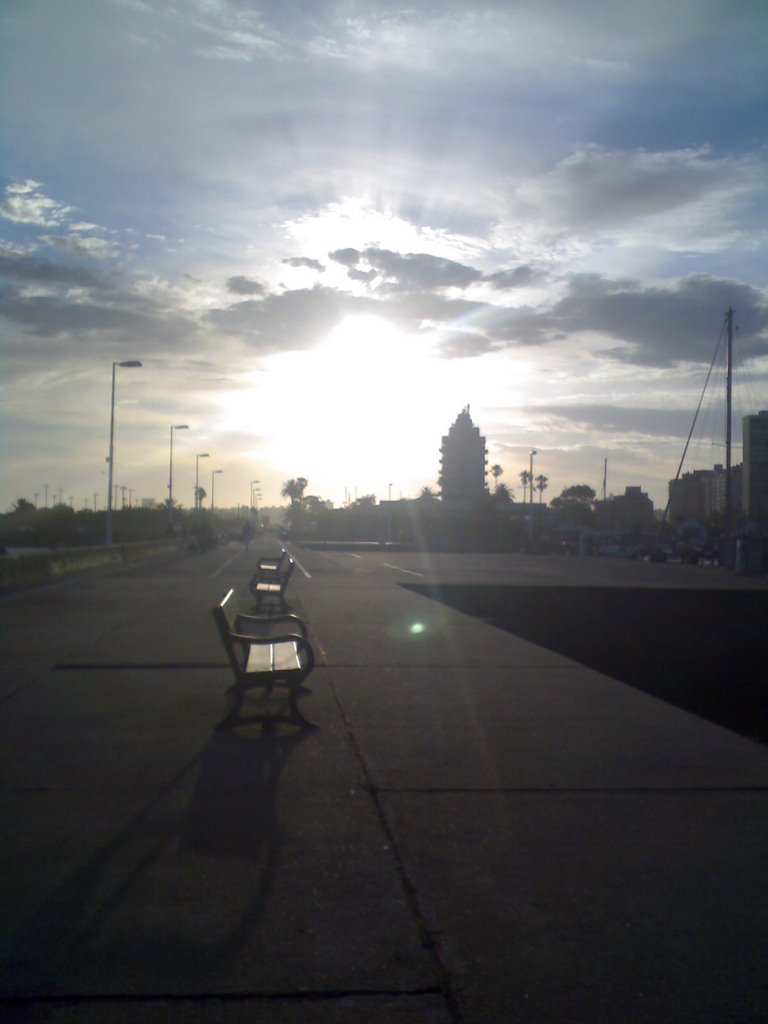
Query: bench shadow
{"points": [[700, 649], [100, 929]]}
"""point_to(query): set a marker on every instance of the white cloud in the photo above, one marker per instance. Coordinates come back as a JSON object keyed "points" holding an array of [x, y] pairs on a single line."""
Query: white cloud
{"points": [[97, 248], [24, 204]]}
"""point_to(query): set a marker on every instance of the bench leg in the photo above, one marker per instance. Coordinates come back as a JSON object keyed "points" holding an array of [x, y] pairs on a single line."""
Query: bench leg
{"points": [[236, 695]]}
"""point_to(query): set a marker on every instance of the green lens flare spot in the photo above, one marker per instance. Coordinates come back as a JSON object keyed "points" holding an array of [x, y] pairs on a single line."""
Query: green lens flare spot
{"points": [[416, 628]]}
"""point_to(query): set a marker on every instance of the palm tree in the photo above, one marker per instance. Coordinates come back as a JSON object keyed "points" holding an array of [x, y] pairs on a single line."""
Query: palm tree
{"points": [[541, 484], [525, 479], [496, 472], [502, 495], [293, 490], [426, 494]]}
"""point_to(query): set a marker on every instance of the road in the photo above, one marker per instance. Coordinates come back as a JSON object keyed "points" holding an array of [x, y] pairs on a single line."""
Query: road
{"points": [[480, 829]]}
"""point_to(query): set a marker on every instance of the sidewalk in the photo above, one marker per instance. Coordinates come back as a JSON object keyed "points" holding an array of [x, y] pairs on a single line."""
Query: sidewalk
{"points": [[576, 849], [480, 830]]}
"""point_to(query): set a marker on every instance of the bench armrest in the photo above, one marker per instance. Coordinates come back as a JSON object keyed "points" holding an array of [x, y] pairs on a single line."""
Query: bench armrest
{"points": [[269, 620], [265, 640]]}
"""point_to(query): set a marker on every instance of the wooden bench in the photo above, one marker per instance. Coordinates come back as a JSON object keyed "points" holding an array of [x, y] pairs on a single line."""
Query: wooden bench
{"points": [[267, 566], [270, 586], [264, 652]]}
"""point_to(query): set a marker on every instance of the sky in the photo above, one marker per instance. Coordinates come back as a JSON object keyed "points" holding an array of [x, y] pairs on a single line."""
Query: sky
{"points": [[324, 228]]}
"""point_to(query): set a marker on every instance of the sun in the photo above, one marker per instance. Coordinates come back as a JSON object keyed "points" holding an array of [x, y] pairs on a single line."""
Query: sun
{"points": [[363, 347], [362, 410]]}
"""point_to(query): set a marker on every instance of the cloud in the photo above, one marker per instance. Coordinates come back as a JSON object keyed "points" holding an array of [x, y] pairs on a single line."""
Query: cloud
{"points": [[244, 286], [517, 277], [40, 271], [25, 204], [405, 272], [631, 194], [654, 325], [49, 316], [617, 419], [304, 261], [663, 326], [287, 320], [97, 248], [463, 345], [88, 310], [347, 257]]}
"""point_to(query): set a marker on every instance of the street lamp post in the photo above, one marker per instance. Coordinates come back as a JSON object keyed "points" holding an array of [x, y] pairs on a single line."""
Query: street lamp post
{"points": [[179, 426], [202, 455], [213, 477], [126, 363], [530, 485], [255, 484]]}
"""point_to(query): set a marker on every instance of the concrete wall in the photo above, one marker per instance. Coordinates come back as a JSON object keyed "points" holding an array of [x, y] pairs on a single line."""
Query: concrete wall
{"points": [[29, 570]]}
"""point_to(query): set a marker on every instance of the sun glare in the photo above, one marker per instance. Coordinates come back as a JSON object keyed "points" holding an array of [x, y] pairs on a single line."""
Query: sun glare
{"points": [[362, 410], [365, 410]]}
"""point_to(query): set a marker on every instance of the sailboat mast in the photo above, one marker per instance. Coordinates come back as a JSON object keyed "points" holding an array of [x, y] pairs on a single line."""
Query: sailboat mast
{"points": [[728, 403]]}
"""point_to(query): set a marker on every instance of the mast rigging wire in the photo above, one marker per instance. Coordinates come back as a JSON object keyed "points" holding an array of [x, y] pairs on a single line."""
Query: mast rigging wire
{"points": [[695, 417]]}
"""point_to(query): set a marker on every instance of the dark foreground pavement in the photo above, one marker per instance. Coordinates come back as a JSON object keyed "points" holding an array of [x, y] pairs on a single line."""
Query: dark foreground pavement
{"points": [[481, 829]]}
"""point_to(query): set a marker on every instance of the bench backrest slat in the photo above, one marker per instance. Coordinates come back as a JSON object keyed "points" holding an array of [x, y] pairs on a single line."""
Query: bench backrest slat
{"points": [[222, 621], [230, 607]]}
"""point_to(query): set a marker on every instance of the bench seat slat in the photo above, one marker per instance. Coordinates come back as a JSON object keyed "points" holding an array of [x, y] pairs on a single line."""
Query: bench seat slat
{"points": [[280, 657]]}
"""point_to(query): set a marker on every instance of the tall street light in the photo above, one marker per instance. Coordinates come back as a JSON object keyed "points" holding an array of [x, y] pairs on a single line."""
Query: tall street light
{"points": [[255, 484], [213, 477], [202, 455], [179, 426], [530, 485], [126, 363]]}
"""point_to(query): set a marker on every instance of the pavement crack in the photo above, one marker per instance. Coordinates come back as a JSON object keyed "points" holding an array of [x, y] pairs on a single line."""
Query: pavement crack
{"points": [[410, 891]]}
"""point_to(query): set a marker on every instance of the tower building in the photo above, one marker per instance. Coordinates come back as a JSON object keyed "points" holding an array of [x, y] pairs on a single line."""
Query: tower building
{"points": [[755, 474], [462, 463]]}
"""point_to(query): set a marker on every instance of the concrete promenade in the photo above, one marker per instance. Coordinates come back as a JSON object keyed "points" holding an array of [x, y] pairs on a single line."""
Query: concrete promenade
{"points": [[481, 829]]}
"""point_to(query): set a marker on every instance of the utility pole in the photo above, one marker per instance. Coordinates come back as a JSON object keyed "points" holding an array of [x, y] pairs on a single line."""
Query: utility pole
{"points": [[728, 404]]}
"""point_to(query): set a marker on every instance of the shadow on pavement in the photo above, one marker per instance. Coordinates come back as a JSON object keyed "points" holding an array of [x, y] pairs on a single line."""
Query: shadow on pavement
{"points": [[122, 920], [701, 650]]}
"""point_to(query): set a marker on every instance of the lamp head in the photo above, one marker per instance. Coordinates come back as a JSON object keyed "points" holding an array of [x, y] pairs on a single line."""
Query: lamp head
{"points": [[181, 426], [130, 362]]}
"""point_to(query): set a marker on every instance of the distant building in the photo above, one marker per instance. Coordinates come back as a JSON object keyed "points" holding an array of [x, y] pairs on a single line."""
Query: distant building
{"points": [[462, 463], [630, 512], [755, 478], [717, 492], [148, 503], [701, 494]]}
